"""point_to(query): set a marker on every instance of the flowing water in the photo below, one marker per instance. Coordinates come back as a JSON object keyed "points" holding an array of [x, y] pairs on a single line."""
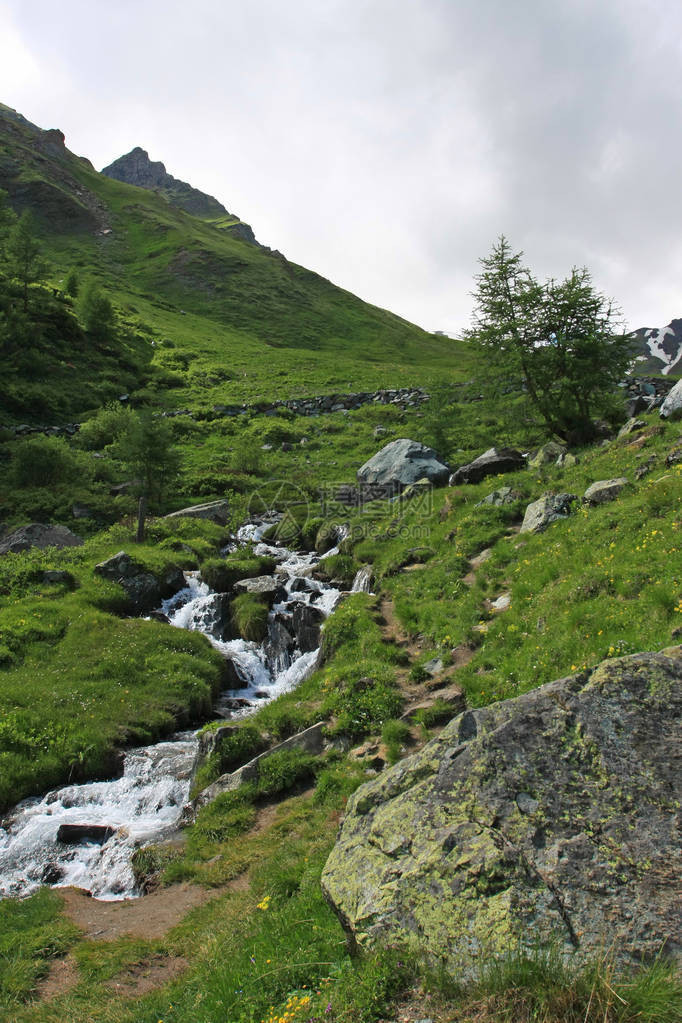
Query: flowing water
{"points": [[146, 802]]}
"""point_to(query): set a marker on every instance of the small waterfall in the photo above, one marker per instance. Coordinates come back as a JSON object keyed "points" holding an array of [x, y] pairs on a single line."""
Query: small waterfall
{"points": [[363, 580], [146, 802]]}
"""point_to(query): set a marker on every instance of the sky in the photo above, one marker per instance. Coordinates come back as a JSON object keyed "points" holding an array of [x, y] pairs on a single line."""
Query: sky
{"points": [[386, 144]]}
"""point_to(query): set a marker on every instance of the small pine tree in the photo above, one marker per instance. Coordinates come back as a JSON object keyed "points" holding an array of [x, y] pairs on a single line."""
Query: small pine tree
{"points": [[72, 284], [97, 312], [146, 447], [24, 259]]}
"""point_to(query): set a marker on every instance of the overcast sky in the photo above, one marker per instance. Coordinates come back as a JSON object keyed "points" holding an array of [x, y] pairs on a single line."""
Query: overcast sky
{"points": [[387, 143]]}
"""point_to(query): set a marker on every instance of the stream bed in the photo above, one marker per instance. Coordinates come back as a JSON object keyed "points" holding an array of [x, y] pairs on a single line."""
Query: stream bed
{"points": [[85, 835]]}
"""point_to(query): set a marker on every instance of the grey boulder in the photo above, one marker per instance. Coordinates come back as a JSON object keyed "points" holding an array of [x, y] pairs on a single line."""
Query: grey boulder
{"points": [[38, 535], [144, 590], [547, 509], [605, 490], [672, 406], [401, 463], [490, 463], [548, 818]]}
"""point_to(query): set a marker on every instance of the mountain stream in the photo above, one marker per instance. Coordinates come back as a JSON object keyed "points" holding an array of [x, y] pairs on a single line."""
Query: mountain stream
{"points": [[85, 835]]}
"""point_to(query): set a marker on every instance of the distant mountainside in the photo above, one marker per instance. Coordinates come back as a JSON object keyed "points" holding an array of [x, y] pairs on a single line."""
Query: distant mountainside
{"points": [[135, 168], [660, 348]]}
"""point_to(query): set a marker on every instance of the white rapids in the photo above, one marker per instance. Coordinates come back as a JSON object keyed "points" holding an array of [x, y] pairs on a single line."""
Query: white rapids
{"points": [[145, 804]]}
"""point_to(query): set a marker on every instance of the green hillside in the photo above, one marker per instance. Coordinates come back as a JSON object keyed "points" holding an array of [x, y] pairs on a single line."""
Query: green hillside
{"points": [[272, 328], [466, 610]]}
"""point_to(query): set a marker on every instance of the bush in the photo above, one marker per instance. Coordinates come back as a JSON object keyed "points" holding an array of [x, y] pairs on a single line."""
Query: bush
{"points": [[282, 771], [45, 461], [395, 735], [105, 427]]}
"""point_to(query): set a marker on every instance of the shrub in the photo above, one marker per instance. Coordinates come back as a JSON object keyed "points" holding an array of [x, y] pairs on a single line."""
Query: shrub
{"points": [[45, 461], [395, 735], [105, 427]]}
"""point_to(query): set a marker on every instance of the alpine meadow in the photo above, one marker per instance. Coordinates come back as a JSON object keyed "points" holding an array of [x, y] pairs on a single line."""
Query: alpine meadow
{"points": [[340, 661]]}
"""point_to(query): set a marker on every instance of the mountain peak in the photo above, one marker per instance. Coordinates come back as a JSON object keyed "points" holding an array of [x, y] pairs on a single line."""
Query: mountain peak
{"points": [[135, 168]]}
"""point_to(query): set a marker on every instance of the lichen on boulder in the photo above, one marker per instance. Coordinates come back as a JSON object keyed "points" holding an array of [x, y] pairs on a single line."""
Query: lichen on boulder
{"points": [[547, 818]]}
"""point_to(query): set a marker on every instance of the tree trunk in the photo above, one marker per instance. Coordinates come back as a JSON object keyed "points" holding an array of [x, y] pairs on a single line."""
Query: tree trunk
{"points": [[141, 516]]}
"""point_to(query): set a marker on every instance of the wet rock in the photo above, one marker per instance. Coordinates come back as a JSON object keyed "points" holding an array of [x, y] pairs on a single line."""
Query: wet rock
{"points": [[306, 623], [71, 834], [547, 818], [159, 616], [490, 463], [38, 535]]}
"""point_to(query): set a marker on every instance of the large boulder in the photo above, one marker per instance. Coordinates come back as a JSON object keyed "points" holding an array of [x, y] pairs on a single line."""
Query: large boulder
{"points": [[401, 463], [672, 406], [214, 511], [547, 818], [547, 509], [38, 535], [547, 454], [143, 589], [490, 463]]}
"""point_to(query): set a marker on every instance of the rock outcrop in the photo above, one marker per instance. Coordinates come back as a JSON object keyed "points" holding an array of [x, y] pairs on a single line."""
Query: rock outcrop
{"points": [[605, 490], [214, 511], [38, 535], [401, 463], [143, 589], [550, 817]]}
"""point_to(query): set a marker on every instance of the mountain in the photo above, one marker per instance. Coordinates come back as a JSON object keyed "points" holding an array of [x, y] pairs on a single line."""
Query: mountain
{"points": [[243, 317], [660, 349], [135, 168]]}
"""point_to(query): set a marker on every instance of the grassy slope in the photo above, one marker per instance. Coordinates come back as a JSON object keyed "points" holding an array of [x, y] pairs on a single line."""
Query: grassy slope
{"points": [[613, 572], [221, 301]]}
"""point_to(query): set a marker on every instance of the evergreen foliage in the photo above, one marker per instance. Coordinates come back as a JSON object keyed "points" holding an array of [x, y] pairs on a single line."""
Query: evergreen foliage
{"points": [[562, 339]]}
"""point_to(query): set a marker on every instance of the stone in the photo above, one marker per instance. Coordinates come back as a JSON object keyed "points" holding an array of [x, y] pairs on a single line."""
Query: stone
{"points": [[502, 603], [633, 425], [548, 818], [450, 698], [38, 535], [433, 667], [547, 454], [491, 463], [547, 509], [144, 590], [306, 622], [214, 511], [498, 498], [59, 577], [605, 490], [311, 740], [567, 460], [400, 463], [672, 406], [70, 834]]}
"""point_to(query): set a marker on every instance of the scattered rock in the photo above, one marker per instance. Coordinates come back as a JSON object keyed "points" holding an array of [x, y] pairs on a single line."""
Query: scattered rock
{"points": [[546, 818], [490, 463], [547, 509], [566, 461], [500, 497], [633, 425], [502, 603], [267, 586], [605, 490], [547, 454], [38, 535]]}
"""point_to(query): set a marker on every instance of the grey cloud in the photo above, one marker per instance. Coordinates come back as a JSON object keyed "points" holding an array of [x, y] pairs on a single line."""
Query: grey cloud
{"points": [[386, 143]]}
